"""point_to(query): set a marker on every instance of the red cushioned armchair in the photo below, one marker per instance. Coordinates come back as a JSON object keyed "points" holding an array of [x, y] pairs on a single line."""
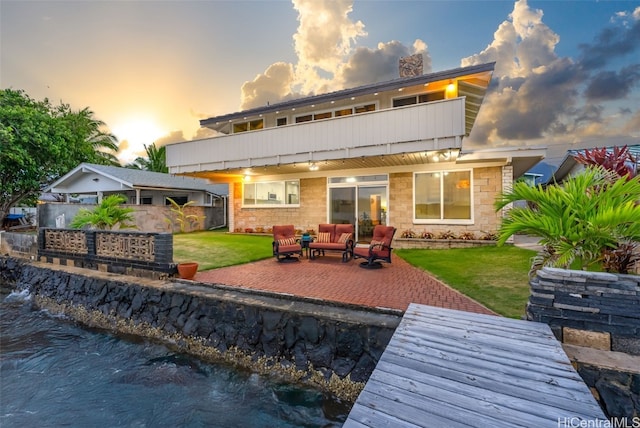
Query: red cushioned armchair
{"points": [[379, 249], [285, 243]]}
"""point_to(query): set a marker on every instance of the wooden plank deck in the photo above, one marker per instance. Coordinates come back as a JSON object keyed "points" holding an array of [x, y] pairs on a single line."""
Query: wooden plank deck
{"points": [[447, 368]]}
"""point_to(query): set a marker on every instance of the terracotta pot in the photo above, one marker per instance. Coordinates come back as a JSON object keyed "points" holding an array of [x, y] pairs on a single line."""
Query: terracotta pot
{"points": [[187, 270]]}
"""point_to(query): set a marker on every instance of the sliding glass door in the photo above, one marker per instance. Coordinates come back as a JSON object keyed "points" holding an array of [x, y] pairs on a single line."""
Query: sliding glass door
{"points": [[363, 203]]}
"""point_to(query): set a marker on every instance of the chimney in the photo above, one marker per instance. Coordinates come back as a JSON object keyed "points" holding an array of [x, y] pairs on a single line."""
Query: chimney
{"points": [[411, 66]]}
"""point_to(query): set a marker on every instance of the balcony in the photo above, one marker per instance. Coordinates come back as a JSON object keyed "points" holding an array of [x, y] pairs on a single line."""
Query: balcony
{"points": [[420, 128]]}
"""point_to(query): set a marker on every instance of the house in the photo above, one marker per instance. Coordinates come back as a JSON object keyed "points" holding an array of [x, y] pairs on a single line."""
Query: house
{"points": [[389, 152], [569, 166], [89, 183]]}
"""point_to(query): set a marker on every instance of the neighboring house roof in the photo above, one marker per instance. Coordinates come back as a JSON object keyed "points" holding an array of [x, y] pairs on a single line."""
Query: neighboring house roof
{"points": [[135, 178], [522, 159], [569, 163]]}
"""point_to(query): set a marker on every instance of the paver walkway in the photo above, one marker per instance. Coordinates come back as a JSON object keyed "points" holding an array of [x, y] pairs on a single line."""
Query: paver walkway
{"points": [[394, 286]]}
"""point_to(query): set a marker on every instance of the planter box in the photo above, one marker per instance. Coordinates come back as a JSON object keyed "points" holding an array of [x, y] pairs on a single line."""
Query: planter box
{"points": [[438, 244]]}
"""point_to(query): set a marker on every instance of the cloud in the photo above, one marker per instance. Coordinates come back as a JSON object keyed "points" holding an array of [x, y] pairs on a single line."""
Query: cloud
{"points": [[327, 59], [271, 86], [613, 42], [367, 66], [613, 85], [539, 98], [531, 88]]}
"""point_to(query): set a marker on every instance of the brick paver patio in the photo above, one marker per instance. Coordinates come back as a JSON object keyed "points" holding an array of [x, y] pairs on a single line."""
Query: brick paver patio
{"points": [[327, 278]]}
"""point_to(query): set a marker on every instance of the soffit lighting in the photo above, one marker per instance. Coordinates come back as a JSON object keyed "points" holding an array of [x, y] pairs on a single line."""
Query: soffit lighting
{"points": [[313, 167]]}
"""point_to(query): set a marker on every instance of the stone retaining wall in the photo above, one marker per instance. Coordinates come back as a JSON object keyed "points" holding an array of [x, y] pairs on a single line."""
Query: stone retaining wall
{"points": [[331, 346], [599, 312], [600, 309]]}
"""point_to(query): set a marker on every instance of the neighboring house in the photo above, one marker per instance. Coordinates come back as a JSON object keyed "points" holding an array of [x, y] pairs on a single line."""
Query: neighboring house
{"points": [[388, 152], [569, 166], [89, 183]]}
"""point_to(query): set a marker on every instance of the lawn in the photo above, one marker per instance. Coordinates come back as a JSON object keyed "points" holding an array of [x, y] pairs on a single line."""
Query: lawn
{"points": [[497, 277], [214, 249]]}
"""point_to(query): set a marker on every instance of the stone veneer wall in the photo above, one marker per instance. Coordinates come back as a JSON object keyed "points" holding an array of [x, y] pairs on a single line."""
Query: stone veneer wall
{"points": [[335, 347], [487, 184], [311, 213], [597, 311]]}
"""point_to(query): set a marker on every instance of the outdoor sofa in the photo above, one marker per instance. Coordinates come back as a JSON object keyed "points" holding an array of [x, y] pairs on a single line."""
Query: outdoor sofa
{"points": [[333, 237]]}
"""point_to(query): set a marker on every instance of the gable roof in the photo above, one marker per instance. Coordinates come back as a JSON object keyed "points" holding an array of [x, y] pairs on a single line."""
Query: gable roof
{"points": [[136, 178]]}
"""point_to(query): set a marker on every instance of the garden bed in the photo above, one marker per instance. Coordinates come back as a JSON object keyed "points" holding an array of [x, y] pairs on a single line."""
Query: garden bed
{"points": [[438, 244]]}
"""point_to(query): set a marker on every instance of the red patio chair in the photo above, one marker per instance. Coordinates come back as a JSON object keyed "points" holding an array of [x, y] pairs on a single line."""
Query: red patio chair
{"points": [[379, 249], [285, 243]]}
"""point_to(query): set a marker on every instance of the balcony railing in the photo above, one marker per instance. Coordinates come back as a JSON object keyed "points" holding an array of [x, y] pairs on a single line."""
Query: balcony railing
{"points": [[431, 126]]}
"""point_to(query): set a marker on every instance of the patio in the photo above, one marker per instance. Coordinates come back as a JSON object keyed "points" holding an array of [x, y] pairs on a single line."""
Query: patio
{"points": [[394, 286]]}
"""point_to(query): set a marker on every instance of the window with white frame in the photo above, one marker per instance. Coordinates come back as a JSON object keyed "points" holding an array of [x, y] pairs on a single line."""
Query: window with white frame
{"points": [[442, 196], [252, 125], [269, 194]]}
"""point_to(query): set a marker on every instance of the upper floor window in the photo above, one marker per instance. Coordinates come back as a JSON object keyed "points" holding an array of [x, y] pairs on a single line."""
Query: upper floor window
{"points": [[268, 194], [248, 126], [305, 118], [442, 196], [420, 98], [365, 108], [281, 121]]}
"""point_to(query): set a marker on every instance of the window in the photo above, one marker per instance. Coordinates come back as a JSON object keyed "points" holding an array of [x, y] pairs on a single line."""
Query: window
{"points": [[431, 96], [248, 126], [281, 121], [399, 102], [271, 193], [146, 200], [422, 98], [306, 118], [343, 112], [365, 108], [180, 200], [442, 196], [325, 115]]}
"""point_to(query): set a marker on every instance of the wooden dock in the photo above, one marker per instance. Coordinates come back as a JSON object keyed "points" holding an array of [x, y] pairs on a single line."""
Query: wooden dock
{"points": [[447, 368]]}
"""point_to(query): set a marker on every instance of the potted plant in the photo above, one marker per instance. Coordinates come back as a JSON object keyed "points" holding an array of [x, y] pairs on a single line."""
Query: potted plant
{"points": [[187, 270]]}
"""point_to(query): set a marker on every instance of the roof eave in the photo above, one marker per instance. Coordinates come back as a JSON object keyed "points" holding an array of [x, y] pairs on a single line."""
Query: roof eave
{"points": [[353, 92]]}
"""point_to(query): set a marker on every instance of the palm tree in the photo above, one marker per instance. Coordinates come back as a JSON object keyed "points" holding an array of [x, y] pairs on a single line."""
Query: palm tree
{"points": [[579, 221], [91, 143], [156, 159]]}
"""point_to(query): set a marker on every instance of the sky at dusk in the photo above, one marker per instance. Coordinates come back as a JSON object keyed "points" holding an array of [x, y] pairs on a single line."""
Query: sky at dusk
{"points": [[567, 73]]}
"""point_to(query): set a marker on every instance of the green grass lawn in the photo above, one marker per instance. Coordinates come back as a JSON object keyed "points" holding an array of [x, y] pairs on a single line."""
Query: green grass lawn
{"points": [[497, 277], [214, 249]]}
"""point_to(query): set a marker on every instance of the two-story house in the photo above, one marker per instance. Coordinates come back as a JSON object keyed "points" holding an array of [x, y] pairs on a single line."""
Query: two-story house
{"points": [[388, 152]]}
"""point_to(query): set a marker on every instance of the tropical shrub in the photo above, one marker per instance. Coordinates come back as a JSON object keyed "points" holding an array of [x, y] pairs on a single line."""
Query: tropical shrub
{"points": [[107, 215], [580, 221]]}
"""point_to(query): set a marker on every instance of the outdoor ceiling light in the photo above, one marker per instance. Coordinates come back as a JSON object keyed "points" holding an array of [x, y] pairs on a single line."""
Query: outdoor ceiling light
{"points": [[313, 167]]}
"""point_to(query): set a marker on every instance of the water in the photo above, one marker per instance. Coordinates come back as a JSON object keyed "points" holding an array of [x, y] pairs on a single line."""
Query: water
{"points": [[54, 373]]}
